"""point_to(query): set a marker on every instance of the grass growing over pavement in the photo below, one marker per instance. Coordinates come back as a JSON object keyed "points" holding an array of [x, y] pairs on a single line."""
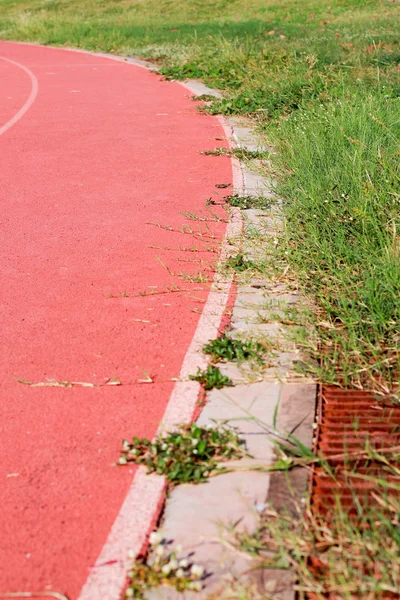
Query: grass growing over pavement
{"points": [[321, 80], [338, 555]]}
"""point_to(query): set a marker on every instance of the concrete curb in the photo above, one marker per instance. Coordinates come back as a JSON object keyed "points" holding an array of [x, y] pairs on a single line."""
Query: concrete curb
{"points": [[199, 518]]}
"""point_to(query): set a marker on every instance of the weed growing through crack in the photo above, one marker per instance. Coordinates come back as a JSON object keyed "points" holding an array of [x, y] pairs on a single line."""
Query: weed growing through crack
{"points": [[163, 566], [189, 455], [226, 348], [239, 263], [245, 202], [211, 378]]}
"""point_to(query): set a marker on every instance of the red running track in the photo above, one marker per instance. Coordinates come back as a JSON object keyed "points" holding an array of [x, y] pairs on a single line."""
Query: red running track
{"points": [[102, 148]]}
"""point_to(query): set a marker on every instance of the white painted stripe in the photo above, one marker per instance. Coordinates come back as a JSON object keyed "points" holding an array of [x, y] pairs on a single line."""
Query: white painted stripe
{"points": [[143, 502], [137, 517], [141, 507], [28, 103]]}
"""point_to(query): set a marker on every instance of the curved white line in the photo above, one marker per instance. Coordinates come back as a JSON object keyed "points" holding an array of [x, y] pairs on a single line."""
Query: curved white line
{"points": [[30, 100]]}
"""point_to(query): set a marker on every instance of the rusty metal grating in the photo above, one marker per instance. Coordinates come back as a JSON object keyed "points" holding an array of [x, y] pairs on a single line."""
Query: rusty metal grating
{"points": [[348, 420]]}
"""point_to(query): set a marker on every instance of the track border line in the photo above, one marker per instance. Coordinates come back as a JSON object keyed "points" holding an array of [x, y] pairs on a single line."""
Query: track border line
{"points": [[30, 100], [128, 535]]}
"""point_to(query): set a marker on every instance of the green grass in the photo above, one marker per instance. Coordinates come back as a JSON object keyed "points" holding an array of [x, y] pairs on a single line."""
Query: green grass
{"points": [[321, 81], [336, 553]]}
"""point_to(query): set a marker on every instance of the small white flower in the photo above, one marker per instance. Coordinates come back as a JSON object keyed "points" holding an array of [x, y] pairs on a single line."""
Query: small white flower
{"points": [[131, 554], [184, 563], [129, 593], [122, 460], [195, 586], [164, 446], [173, 563], [194, 451], [166, 569], [195, 441], [197, 571], [180, 573], [160, 550], [155, 538]]}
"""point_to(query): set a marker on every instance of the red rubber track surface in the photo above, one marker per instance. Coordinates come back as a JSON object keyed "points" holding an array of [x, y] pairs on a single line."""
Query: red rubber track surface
{"points": [[105, 148]]}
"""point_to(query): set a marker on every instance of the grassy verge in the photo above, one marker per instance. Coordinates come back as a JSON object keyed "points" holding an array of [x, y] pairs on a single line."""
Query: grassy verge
{"points": [[321, 80]]}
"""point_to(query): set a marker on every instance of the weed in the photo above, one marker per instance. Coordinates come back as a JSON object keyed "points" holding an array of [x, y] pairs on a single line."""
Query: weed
{"points": [[246, 202], [211, 378], [239, 153], [347, 559], [230, 349], [340, 553], [191, 454], [239, 263], [203, 98], [163, 566], [213, 217], [198, 277]]}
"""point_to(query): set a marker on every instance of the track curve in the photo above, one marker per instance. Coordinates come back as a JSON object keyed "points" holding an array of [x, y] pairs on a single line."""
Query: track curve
{"points": [[90, 291]]}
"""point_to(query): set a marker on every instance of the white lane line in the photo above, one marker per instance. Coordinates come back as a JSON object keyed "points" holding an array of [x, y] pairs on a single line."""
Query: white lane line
{"points": [[30, 100], [144, 501]]}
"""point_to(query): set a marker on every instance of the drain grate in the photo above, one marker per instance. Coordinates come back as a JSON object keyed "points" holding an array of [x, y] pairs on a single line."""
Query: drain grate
{"points": [[349, 421]]}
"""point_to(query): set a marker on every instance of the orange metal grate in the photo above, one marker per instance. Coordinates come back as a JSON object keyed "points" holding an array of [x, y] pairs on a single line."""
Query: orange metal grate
{"points": [[346, 421]]}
